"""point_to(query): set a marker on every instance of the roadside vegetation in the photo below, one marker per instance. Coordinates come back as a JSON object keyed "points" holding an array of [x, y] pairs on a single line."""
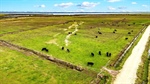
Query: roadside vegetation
{"points": [[143, 75]]}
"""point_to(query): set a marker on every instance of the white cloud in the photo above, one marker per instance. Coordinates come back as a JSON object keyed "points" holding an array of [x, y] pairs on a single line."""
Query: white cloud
{"points": [[64, 5], [87, 5], [145, 6], [111, 8], [113, 0], [42, 6], [133, 3]]}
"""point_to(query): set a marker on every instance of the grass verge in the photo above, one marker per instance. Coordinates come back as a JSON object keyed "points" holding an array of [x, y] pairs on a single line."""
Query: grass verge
{"points": [[142, 73]]}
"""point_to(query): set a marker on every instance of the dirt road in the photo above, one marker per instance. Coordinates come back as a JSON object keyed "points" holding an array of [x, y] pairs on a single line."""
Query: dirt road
{"points": [[127, 74]]}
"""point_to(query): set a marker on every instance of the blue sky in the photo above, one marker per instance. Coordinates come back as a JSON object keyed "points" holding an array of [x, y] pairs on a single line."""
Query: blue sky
{"points": [[76, 5]]}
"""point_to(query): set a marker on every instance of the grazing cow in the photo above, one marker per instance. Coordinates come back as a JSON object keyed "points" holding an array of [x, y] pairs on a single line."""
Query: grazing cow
{"points": [[126, 38], [62, 48], [45, 49], [107, 54], [99, 32], [75, 34], [92, 54], [129, 32], [114, 32], [69, 32], [96, 37], [68, 50], [99, 52], [90, 63], [128, 24]]}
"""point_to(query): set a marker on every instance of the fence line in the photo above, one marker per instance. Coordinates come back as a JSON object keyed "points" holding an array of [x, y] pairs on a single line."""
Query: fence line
{"points": [[122, 54]]}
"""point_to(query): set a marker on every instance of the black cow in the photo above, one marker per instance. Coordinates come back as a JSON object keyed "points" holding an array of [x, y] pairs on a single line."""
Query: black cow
{"points": [[69, 32], [107, 54], [126, 38], [75, 34], [68, 50], [99, 32], [62, 48], [129, 32], [92, 54], [96, 37], [114, 32], [45, 49], [99, 52], [90, 63]]}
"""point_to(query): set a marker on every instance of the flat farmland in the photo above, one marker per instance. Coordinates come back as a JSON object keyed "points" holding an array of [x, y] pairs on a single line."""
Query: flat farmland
{"points": [[19, 68], [75, 39]]}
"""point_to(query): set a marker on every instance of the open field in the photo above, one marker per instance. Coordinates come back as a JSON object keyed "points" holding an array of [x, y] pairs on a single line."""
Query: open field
{"points": [[82, 35], [20, 68]]}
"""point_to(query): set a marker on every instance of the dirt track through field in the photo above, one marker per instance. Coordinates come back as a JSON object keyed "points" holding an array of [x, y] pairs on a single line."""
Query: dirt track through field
{"points": [[127, 74], [68, 36]]}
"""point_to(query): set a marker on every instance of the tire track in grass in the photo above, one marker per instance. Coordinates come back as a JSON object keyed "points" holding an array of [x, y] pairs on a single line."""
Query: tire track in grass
{"points": [[69, 35], [54, 41]]}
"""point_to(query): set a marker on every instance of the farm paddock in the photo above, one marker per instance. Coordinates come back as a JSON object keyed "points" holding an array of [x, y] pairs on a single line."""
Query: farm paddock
{"points": [[89, 41]]}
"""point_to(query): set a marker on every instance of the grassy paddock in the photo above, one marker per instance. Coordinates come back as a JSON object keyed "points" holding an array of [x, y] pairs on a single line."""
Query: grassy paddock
{"points": [[51, 32], [81, 45], [19, 68]]}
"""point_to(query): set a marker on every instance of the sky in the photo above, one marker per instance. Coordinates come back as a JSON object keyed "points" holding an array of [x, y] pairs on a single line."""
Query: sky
{"points": [[75, 5]]}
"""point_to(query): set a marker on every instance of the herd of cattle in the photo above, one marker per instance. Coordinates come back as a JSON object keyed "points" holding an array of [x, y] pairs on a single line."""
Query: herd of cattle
{"points": [[115, 32], [108, 54]]}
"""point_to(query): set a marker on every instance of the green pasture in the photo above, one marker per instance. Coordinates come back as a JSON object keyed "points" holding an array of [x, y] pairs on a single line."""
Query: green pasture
{"points": [[26, 23], [20, 68], [51, 30]]}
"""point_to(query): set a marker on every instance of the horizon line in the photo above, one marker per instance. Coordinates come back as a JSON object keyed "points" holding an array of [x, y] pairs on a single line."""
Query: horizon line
{"points": [[81, 12]]}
